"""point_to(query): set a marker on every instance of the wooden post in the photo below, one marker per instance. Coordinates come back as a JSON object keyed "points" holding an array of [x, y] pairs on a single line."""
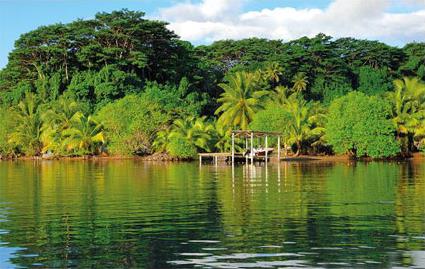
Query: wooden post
{"points": [[252, 148], [266, 154], [278, 148], [246, 150], [200, 160], [233, 148]]}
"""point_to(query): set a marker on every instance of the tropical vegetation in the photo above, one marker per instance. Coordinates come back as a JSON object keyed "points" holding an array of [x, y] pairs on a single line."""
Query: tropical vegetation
{"points": [[120, 84]]}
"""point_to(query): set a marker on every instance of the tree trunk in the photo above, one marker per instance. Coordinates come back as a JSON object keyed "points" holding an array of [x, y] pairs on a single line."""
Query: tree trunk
{"points": [[298, 149]]}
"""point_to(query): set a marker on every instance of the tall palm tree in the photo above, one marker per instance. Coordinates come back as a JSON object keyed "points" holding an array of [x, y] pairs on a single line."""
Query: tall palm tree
{"points": [[84, 136], [408, 109], [26, 135], [240, 100], [299, 82]]}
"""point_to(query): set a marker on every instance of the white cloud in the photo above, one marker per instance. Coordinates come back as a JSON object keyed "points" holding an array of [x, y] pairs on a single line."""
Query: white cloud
{"points": [[212, 20]]}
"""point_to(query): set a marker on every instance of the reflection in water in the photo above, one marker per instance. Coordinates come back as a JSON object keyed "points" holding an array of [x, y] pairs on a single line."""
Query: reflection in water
{"points": [[120, 214]]}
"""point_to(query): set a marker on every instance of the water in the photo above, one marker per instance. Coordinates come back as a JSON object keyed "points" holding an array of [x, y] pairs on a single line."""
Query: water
{"points": [[130, 214]]}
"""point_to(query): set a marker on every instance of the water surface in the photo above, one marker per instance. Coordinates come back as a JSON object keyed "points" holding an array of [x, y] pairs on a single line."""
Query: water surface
{"points": [[131, 214]]}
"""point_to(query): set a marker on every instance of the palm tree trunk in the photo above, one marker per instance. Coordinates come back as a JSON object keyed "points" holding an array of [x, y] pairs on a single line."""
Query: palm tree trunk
{"points": [[298, 149]]}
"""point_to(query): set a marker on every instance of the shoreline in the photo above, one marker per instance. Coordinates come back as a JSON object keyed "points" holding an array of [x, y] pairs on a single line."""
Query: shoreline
{"points": [[152, 158]]}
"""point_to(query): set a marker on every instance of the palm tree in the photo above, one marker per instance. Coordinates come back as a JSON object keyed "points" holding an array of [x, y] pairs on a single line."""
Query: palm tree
{"points": [[56, 120], [196, 131], [408, 110], [279, 95], [299, 82], [240, 100], [84, 136], [26, 135], [303, 120], [272, 72], [161, 140]]}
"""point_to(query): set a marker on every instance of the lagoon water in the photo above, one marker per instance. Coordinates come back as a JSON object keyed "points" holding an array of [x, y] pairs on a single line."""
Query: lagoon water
{"points": [[131, 214]]}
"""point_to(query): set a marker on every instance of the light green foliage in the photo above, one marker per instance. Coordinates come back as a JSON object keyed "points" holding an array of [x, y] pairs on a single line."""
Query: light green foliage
{"points": [[279, 95], [373, 81], [305, 121], [82, 85], [57, 117], [84, 136], [48, 88], [198, 133], [299, 82], [273, 118], [130, 124], [408, 111], [181, 148], [241, 100], [26, 136], [133, 122], [16, 93], [360, 125], [6, 126]]}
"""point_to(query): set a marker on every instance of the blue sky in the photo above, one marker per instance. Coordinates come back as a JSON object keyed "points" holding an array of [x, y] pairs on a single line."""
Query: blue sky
{"points": [[284, 19]]}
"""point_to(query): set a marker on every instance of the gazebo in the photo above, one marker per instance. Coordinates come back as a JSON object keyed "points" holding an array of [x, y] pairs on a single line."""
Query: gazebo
{"points": [[249, 136]]}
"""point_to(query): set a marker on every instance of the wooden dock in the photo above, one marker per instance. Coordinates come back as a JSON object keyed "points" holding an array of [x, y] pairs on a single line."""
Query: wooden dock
{"points": [[226, 157]]}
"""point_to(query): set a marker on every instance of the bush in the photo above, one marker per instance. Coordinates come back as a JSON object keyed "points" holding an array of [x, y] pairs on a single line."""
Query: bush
{"points": [[272, 119], [6, 125], [360, 125], [181, 148], [130, 124]]}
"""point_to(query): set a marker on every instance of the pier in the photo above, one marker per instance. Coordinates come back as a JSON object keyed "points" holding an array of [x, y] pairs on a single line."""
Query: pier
{"points": [[250, 152]]}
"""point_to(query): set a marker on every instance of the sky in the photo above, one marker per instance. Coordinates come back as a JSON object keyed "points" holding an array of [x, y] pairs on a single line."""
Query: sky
{"points": [[395, 22]]}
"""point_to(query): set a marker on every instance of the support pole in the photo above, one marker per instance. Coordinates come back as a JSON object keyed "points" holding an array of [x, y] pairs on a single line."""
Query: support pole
{"points": [[278, 148], [233, 148], [246, 150], [200, 160], [266, 154], [252, 148]]}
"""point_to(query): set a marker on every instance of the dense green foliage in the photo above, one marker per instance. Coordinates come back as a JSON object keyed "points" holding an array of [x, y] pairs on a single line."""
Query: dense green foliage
{"points": [[124, 85], [361, 125]]}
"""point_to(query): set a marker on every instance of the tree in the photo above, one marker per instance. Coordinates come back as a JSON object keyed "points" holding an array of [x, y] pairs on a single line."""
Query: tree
{"points": [[7, 124], [196, 131], [360, 125], [57, 117], [373, 81], [131, 124], [274, 118], [84, 136], [27, 134], [240, 100], [408, 110], [304, 117], [299, 82], [272, 72], [279, 95], [415, 62]]}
